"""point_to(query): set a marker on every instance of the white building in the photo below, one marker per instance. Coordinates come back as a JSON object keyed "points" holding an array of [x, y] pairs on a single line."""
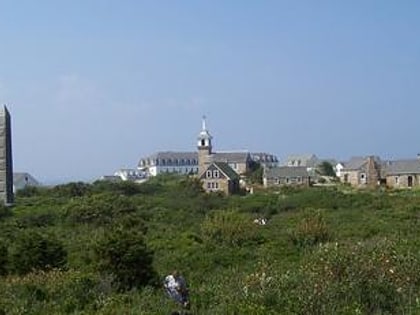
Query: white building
{"points": [[22, 180]]}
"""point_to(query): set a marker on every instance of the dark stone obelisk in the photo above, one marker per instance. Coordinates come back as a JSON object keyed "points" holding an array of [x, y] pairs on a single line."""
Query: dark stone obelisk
{"points": [[6, 162]]}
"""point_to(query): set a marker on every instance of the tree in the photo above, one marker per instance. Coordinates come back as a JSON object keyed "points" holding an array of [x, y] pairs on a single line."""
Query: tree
{"points": [[124, 255], [326, 169], [255, 173], [34, 250]]}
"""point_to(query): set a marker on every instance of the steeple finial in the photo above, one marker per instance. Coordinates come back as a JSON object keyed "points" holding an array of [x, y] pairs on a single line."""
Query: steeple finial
{"points": [[203, 124]]}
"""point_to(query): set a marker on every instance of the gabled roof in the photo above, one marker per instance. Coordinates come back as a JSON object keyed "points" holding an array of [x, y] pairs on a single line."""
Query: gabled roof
{"points": [[403, 167], [308, 160], [24, 178], [226, 170], [358, 162], [286, 171], [355, 163]]}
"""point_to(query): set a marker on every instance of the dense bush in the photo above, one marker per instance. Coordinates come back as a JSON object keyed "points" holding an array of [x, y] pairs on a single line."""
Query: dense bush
{"points": [[52, 292], [232, 265], [35, 251], [98, 209], [124, 255], [70, 190], [362, 278], [311, 229], [4, 258], [229, 227]]}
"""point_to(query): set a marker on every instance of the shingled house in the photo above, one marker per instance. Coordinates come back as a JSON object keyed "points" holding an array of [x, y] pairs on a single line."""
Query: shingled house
{"points": [[403, 173], [362, 172], [219, 176], [286, 176]]}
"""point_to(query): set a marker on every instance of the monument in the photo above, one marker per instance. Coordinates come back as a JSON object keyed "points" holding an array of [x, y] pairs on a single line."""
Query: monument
{"points": [[6, 163]]}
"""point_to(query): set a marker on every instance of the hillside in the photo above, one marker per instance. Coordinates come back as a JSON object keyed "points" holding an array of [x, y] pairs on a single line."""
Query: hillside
{"points": [[105, 248]]}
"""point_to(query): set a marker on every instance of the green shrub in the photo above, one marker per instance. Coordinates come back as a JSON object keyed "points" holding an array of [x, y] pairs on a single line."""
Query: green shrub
{"points": [[4, 258], [229, 227], [312, 229], [33, 250], [77, 189], [124, 254], [98, 209], [36, 220], [364, 278]]}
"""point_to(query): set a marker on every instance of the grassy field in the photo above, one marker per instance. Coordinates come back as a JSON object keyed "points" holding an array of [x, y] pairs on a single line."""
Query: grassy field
{"points": [[105, 249]]}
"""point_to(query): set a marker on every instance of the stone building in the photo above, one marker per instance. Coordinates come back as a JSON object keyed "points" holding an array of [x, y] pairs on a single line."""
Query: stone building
{"points": [[362, 172], [189, 162], [219, 176], [6, 163], [403, 173], [286, 176]]}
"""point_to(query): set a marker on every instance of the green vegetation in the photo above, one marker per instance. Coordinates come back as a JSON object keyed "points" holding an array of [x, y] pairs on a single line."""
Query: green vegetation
{"points": [[325, 169], [104, 248]]}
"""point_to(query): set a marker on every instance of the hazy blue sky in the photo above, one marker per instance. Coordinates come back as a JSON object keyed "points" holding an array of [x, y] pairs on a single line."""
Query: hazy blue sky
{"points": [[93, 85]]}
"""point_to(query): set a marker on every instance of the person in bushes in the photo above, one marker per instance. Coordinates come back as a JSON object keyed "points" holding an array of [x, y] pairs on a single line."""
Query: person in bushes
{"points": [[176, 287]]}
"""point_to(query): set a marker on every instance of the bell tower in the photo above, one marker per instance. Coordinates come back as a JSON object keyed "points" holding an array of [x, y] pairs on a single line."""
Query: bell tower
{"points": [[204, 147]]}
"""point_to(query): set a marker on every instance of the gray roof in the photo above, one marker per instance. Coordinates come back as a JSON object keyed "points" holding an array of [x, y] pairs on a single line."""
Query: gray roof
{"points": [[173, 155], [308, 160], [227, 170], [231, 157], [403, 167], [264, 157], [227, 157], [24, 178], [355, 163], [286, 171], [358, 162]]}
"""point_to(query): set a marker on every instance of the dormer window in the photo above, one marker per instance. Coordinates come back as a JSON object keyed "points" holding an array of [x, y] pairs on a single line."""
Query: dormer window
{"points": [[208, 174], [203, 142], [215, 174]]}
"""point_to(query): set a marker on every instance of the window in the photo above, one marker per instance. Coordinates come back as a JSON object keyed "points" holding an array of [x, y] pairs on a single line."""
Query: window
{"points": [[277, 181], [287, 180], [212, 185], [216, 185], [208, 174], [208, 185], [397, 180], [215, 174], [299, 179]]}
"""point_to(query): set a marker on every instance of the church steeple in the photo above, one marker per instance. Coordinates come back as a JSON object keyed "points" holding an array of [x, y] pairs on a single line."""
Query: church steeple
{"points": [[204, 137], [204, 147]]}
